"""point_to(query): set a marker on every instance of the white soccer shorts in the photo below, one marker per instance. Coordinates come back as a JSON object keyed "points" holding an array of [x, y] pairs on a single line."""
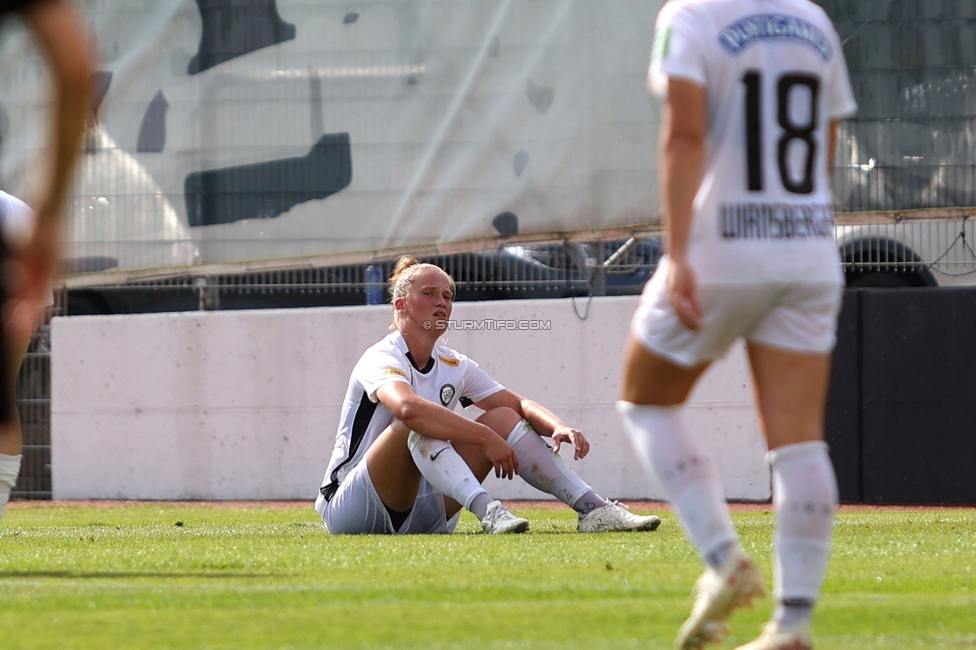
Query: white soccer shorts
{"points": [[790, 314], [356, 509]]}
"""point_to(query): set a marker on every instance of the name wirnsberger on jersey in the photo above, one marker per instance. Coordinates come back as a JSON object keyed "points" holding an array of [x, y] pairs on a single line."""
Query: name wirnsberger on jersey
{"points": [[775, 221]]}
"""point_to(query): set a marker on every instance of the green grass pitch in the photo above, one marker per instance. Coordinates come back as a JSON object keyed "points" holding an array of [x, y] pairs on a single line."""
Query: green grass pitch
{"points": [[159, 575]]}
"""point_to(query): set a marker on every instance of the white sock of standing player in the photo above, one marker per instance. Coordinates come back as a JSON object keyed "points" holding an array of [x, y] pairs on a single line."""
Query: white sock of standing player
{"points": [[546, 471], [804, 498], [691, 484], [444, 468], [9, 470]]}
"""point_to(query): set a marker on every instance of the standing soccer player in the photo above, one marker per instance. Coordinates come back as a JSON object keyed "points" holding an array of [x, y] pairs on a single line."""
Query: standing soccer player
{"points": [[61, 35], [753, 91]]}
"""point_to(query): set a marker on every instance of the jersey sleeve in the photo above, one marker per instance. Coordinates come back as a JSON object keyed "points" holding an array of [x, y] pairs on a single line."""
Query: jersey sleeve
{"points": [[840, 97], [677, 51], [377, 368], [16, 221], [478, 384]]}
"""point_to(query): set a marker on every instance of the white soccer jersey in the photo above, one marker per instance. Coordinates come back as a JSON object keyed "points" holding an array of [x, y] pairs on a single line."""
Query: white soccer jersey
{"points": [[775, 76], [16, 221], [448, 379]]}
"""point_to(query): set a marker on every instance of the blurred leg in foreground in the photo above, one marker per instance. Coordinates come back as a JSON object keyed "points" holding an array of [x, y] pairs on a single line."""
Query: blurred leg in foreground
{"points": [[31, 255]]}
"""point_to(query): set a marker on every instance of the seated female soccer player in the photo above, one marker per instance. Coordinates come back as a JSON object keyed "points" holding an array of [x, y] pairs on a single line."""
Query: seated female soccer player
{"points": [[405, 462]]}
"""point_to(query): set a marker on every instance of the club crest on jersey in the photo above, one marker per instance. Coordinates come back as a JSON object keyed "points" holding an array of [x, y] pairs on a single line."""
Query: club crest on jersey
{"points": [[447, 393]]}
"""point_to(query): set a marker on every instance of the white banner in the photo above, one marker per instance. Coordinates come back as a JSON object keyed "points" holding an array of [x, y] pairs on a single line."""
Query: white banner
{"points": [[250, 129]]}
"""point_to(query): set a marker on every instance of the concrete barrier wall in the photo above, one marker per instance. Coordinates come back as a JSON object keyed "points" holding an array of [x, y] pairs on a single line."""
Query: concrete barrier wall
{"points": [[245, 404]]}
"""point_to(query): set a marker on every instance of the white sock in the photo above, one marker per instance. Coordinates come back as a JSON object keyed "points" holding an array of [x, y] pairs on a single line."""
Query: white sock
{"points": [[546, 471], [664, 446], [9, 470], [444, 468], [804, 498], [479, 504]]}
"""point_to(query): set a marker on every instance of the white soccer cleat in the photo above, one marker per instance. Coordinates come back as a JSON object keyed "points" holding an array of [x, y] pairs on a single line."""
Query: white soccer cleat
{"points": [[615, 517], [718, 593], [499, 520], [776, 638]]}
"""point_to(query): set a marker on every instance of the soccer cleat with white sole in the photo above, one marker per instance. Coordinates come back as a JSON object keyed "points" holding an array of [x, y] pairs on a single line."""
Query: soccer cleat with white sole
{"points": [[774, 637], [499, 520], [614, 517], [718, 593]]}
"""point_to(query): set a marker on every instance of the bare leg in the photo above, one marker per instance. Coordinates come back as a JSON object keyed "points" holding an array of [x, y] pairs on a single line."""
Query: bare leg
{"points": [[651, 380], [501, 421], [392, 469], [654, 390], [11, 436], [394, 463], [544, 470], [791, 391]]}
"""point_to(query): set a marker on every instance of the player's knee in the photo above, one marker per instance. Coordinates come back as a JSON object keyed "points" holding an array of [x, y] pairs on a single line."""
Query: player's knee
{"points": [[422, 446], [399, 428], [501, 420]]}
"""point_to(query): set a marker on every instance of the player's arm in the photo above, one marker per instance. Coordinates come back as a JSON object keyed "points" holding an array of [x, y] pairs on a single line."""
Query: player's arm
{"points": [[832, 144], [545, 422], [61, 35], [435, 421], [683, 133]]}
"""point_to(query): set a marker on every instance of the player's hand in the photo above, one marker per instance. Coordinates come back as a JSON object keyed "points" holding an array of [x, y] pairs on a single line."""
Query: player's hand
{"points": [[502, 456], [683, 294], [581, 446]]}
